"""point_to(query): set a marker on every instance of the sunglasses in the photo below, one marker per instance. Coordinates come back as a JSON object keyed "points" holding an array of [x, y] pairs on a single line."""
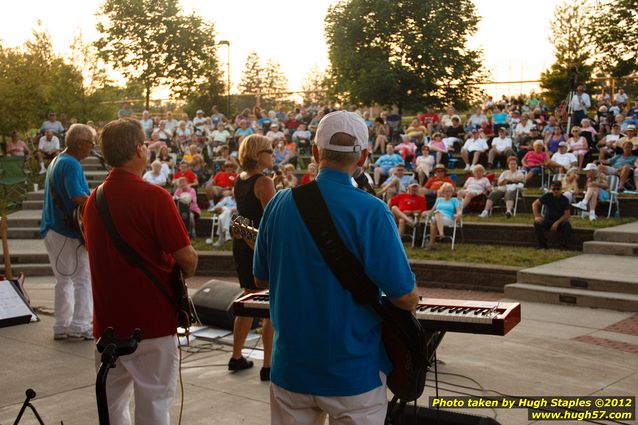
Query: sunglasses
{"points": [[268, 151]]}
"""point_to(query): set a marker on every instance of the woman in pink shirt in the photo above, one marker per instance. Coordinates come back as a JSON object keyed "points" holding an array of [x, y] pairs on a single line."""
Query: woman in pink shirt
{"points": [[16, 147], [182, 194], [578, 145], [534, 160], [437, 145]]}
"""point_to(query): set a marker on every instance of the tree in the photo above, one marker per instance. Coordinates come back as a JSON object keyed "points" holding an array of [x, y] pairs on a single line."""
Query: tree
{"points": [[313, 86], [614, 31], [403, 53], [154, 42], [571, 49], [251, 79], [273, 80]]}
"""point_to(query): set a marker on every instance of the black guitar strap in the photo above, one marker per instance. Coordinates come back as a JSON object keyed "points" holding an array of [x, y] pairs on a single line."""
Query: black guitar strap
{"points": [[128, 253], [346, 267]]}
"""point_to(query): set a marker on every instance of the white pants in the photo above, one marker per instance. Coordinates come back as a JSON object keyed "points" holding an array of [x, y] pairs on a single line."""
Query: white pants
{"points": [[288, 408], [73, 298], [224, 221], [150, 373]]}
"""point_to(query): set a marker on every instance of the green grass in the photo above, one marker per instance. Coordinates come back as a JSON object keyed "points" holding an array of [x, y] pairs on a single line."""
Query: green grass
{"points": [[463, 253], [499, 217]]}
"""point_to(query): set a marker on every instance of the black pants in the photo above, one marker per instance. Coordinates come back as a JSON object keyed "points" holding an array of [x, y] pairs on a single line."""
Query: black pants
{"points": [[564, 233]]}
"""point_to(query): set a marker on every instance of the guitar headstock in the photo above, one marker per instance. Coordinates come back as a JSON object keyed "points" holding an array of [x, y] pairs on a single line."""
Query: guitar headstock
{"points": [[243, 228]]}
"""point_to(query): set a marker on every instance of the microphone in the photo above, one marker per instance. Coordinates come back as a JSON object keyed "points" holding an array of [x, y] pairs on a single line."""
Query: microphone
{"points": [[362, 181]]}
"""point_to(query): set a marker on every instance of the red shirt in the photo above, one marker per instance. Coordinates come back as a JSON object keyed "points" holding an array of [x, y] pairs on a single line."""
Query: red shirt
{"points": [[407, 202], [190, 176], [307, 178], [427, 118], [435, 183], [224, 179], [147, 219]]}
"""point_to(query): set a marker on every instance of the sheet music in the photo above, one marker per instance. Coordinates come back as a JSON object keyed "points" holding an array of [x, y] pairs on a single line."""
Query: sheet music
{"points": [[12, 304]]}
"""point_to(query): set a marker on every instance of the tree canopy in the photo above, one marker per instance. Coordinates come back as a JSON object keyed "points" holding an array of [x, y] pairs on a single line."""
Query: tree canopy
{"points": [[572, 48], [154, 42], [404, 53]]}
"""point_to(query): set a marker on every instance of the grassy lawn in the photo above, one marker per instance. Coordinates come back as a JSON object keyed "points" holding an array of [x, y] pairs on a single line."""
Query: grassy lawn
{"points": [[463, 253], [499, 217]]}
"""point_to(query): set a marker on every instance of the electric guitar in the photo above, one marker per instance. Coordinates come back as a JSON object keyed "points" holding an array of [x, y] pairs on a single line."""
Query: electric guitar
{"points": [[408, 346]]}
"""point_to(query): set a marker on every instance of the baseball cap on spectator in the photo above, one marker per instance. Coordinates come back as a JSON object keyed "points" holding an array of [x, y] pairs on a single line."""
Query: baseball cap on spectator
{"points": [[631, 127], [342, 122], [456, 117], [474, 130], [413, 184], [199, 111], [563, 145], [400, 166], [229, 164], [591, 166]]}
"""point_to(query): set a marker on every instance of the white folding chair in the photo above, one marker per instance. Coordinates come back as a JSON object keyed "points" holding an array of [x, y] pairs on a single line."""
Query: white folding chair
{"points": [[613, 182], [213, 228], [458, 224]]}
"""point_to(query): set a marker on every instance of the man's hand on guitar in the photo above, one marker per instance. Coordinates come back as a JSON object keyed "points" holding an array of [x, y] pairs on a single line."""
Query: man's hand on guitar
{"points": [[241, 228]]}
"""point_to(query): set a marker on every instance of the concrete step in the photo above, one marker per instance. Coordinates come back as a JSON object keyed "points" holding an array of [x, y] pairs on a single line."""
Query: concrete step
{"points": [[90, 160], [571, 296], [92, 167], [25, 218], [23, 233], [35, 196], [606, 273], [39, 269], [626, 233], [33, 205], [26, 258], [610, 248]]}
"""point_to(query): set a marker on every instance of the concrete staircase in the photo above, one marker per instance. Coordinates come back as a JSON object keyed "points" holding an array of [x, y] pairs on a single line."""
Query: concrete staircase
{"points": [[605, 276], [26, 249]]}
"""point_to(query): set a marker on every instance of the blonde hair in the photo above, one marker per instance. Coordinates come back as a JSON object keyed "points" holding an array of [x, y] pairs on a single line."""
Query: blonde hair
{"points": [[478, 167], [538, 143], [289, 167], [445, 187], [249, 150]]}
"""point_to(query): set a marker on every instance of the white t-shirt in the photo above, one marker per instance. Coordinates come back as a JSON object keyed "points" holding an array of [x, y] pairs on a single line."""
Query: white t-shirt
{"points": [[564, 159], [527, 128], [171, 125], [501, 144], [477, 186], [159, 179], [49, 146], [473, 145]]}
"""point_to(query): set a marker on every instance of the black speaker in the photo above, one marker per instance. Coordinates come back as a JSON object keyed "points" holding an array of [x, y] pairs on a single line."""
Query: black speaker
{"points": [[430, 416], [214, 303]]}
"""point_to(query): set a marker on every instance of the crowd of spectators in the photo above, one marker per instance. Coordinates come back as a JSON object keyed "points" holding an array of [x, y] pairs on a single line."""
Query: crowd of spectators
{"points": [[408, 155]]}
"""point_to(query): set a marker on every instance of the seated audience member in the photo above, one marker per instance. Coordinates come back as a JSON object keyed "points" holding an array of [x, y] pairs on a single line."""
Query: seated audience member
{"points": [[621, 165], [220, 136], [570, 184], [630, 132], [434, 183], [16, 146], [445, 212], [474, 121], [407, 149], [486, 129], [289, 175], [193, 150], [562, 160], [508, 183], [221, 181], [275, 134], [578, 146], [416, 132], [164, 134], [225, 209], [404, 206], [311, 174], [524, 144], [535, 160], [438, 147], [243, 131], [424, 163], [556, 218], [185, 171], [500, 118], [446, 119], [586, 127], [282, 155], [501, 149], [596, 189], [557, 137], [155, 175], [523, 129], [302, 138], [474, 186], [184, 192], [183, 134], [48, 148], [430, 119], [385, 163], [474, 146], [397, 183], [548, 130], [607, 145], [166, 159], [380, 134], [198, 166], [454, 135]]}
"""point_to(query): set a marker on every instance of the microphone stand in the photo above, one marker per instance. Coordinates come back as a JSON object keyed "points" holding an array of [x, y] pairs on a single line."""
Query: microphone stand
{"points": [[27, 403], [362, 181]]}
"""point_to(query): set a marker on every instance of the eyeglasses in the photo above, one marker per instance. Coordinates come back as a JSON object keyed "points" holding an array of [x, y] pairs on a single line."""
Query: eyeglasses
{"points": [[92, 142], [268, 151], [556, 189]]}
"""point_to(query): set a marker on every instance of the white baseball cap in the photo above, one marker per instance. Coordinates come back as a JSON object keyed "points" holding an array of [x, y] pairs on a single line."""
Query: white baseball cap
{"points": [[342, 122], [590, 167]]}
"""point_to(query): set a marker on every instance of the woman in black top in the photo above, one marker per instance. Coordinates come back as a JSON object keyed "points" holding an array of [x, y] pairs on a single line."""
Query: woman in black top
{"points": [[252, 191]]}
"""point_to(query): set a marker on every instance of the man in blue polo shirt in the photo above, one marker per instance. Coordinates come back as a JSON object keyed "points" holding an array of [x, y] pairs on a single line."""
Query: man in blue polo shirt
{"points": [[328, 358]]}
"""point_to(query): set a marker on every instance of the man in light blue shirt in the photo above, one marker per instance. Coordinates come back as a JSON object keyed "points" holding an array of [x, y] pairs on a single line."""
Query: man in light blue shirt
{"points": [[385, 163], [328, 357]]}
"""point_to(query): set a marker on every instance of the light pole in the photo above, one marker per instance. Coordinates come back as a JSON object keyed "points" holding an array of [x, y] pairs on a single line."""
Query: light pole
{"points": [[227, 44]]}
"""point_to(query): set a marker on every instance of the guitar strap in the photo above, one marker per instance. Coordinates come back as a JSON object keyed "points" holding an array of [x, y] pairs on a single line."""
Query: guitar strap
{"points": [[57, 200], [128, 253]]}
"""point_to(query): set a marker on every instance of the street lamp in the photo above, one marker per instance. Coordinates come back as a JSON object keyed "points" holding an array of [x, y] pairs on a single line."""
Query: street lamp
{"points": [[227, 44]]}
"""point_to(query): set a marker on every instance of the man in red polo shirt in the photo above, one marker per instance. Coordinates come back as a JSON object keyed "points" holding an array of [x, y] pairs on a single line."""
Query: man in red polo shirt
{"points": [[124, 298], [404, 206], [185, 171], [222, 180]]}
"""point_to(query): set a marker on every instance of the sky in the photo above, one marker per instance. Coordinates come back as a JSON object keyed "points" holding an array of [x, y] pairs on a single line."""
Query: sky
{"points": [[513, 34]]}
